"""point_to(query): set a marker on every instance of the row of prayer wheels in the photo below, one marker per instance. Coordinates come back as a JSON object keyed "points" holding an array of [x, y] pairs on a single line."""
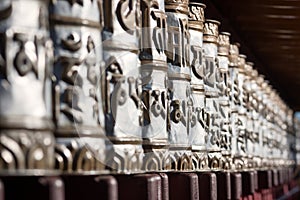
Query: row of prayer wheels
{"points": [[130, 86]]}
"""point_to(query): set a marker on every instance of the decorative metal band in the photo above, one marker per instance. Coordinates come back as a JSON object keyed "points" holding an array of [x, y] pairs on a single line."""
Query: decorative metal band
{"points": [[125, 141], [79, 131], [27, 122], [110, 45], [73, 21], [211, 31], [27, 152], [179, 147], [199, 88], [196, 16], [175, 76], [159, 144], [154, 65], [211, 94], [177, 6], [224, 43]]}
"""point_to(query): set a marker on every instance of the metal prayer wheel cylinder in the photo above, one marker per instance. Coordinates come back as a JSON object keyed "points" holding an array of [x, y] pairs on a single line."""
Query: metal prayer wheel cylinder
{"points": [[210, 45], [253, 106], [255, 116], [26, 137], [284, 144], [78, 113], [260, 122], [199, 118], [123, 85], [277, 136], [268, 134], [263, 122], [154, 68], [233, 97], [282, 129], [274, 134], [179, 76], [250, 134], [240, 159], [224, 104]]}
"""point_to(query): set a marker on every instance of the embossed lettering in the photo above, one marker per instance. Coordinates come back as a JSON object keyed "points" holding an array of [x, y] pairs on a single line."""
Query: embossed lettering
{"points": [[159, 32], [209, 73], [197, 65], [126, 15]]}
